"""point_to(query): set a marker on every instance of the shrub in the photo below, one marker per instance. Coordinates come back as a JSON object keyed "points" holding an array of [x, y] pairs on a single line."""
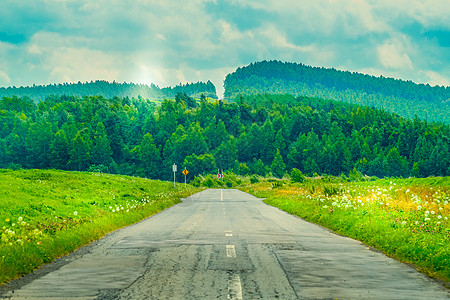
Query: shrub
{"points": [[208, 182], [254, 179], [297, 175]]}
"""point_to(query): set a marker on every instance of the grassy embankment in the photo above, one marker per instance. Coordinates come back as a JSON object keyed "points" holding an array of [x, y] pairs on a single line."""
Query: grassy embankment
{"points": [[47, 214], [407, 219]]}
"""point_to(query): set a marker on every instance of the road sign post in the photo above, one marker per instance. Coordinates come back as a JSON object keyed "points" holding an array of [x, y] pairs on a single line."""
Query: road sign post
{"points": [[174, 169], [185, 172]]}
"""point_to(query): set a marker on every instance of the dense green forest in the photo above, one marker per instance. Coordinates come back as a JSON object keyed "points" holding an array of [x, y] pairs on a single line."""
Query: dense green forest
{"points": [[405, 98], [264, 134], [110, 89]]}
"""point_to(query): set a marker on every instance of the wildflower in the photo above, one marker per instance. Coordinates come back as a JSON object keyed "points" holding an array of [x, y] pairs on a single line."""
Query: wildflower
{"points": [[20, 219], [419, 207], [7, 220], [432, 212], [427, 219], [403, 223], [439, 217], [437, 223], [445, 202], [75, 213]]}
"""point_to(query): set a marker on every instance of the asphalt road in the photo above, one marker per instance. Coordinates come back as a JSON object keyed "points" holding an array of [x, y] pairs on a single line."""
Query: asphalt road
{"points": [[225, 244]]}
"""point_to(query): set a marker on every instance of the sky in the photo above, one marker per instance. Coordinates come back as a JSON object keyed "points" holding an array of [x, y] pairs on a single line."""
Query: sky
{"points": [[177, 41]]}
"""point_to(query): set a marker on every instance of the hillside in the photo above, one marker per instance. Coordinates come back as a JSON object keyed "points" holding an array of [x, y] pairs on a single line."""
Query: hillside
{"points": [[266, 134], [46, 213], [110, 89], [402, 97]]}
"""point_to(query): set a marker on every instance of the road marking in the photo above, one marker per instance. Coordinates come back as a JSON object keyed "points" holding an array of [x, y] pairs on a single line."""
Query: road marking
{"points": [[221, 195], [231, 251], [228, 234], [234, 287]]}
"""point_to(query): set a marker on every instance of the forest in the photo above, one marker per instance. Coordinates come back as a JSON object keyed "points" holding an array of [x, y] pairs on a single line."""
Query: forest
{"points": [[405, 98], [110, 89], [262, 134]]}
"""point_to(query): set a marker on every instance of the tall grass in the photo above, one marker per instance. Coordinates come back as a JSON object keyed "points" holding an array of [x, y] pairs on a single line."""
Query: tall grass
{"points": [[47, 214], [407, 219]]}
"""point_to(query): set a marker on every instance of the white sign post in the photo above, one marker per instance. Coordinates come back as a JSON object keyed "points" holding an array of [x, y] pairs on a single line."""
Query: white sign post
{"points": [[174, 169]]}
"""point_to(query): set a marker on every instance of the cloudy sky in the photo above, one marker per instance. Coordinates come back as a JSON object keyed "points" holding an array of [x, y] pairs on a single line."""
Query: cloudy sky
{"points": [[169, 42]]}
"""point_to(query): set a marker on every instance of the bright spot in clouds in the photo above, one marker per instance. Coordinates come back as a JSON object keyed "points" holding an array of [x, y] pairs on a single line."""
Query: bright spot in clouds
{"points": [[172, 42]]}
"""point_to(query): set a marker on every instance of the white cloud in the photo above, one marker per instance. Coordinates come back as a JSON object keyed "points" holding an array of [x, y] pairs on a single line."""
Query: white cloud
{"points": [[168, 42], [161, 37], [4, 78], [434, 78], [81, 64], [278, 39], [34, 49], [392, 55]]}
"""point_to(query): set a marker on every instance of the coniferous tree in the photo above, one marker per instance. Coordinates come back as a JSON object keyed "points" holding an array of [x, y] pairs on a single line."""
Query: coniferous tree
{"points": [[278, 167], [101, 149], [80, 153], [59, 150], [150, 157], [226, 154]]}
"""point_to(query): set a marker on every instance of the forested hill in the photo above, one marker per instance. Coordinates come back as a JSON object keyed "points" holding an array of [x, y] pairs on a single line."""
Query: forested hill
{"points": [[402, 97], [266, 134], [110, 89]]}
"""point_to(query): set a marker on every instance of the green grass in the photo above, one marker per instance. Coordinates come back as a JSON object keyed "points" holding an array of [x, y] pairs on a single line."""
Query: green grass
{"points": [[407, 219], [45, 214]]}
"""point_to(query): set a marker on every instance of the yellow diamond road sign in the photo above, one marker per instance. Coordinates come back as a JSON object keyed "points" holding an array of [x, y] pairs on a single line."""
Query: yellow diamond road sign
{"points": [[185, 172]]}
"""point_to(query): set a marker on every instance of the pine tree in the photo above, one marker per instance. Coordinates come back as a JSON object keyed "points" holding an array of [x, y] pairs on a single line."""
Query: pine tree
{"points": [[59, 150], [278, 167], [150, 156], [80, 153], [101, 150]]}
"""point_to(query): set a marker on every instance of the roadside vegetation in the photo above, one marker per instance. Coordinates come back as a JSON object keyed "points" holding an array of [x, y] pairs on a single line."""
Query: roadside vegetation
{"points": [[407, 219], [45, 214]]}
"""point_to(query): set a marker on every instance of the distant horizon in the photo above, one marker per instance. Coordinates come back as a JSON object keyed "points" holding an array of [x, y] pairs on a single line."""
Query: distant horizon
{"points": [[220, 96], [144, 42]]}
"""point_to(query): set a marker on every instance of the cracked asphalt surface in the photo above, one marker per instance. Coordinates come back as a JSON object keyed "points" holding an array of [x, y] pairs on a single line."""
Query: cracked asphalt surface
{"points": [[225, 244]]}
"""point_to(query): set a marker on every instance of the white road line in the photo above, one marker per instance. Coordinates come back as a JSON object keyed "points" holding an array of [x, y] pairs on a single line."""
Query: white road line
{"points": [[228, 231], [234, 287], [231, 251], [228, 234], [221, 195]]}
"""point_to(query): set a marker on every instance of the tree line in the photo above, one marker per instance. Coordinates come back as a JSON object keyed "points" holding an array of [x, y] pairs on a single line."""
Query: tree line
{"points": [[405, 98], [110, 89], [262, 134]]}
